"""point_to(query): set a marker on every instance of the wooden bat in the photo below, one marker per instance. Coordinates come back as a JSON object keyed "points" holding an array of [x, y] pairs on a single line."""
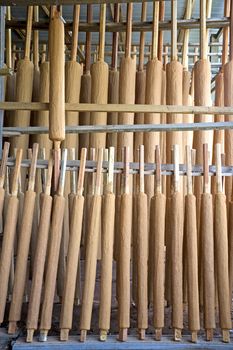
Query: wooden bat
{"points": [[53, 252], [140, 88], [113, 81], [190, 233], [221, 251], [154, 78], [127, 88], [11, 79], [202, 97], [91, 252], [40, 255], [142, 251], [9, 236], [107, 250], [207, 250], [73, 253], [85, 92], [23, 247], [99, 85], [57, 77], [123, 260], [24, 86], [176, 212], [73, 74], [158, 210]]}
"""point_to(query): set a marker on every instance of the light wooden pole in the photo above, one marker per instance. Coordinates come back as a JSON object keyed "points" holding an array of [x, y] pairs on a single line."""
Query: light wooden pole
{"points": [[127, 89], [221, 251], [176, 212], [73, 253], [190, 233], [53, 252], [23, 92], [124, 252], [228, 101], [107, 250], [92, 239], [113, 82], [40, 255], [142, 251], [99, 87], [23, 247], [140, 89], [158, 210], [9, 235], [85, 92], [154, 76], [207, 250]]}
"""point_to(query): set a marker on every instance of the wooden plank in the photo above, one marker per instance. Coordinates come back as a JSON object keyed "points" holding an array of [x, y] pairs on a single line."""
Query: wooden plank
{"points": [[121, 27], [130, 108]]}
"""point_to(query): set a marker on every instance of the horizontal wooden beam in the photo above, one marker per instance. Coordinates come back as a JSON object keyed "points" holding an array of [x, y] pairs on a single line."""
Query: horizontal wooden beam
{"points": [[128, 108], [121, 27], [84, 129]]}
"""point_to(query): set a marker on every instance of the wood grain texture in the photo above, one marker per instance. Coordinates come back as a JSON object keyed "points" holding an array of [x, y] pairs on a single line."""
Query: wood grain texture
{"points": [[57, 79], [190, 232], [72, 263], [22, 256], [124, 261], [221, 255], [39, 262], [107, 237], [142, 260], [90, 265], [207, 251], [52, 262], [158, 210], [99, 94], [7, 250], [113, 97]]}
